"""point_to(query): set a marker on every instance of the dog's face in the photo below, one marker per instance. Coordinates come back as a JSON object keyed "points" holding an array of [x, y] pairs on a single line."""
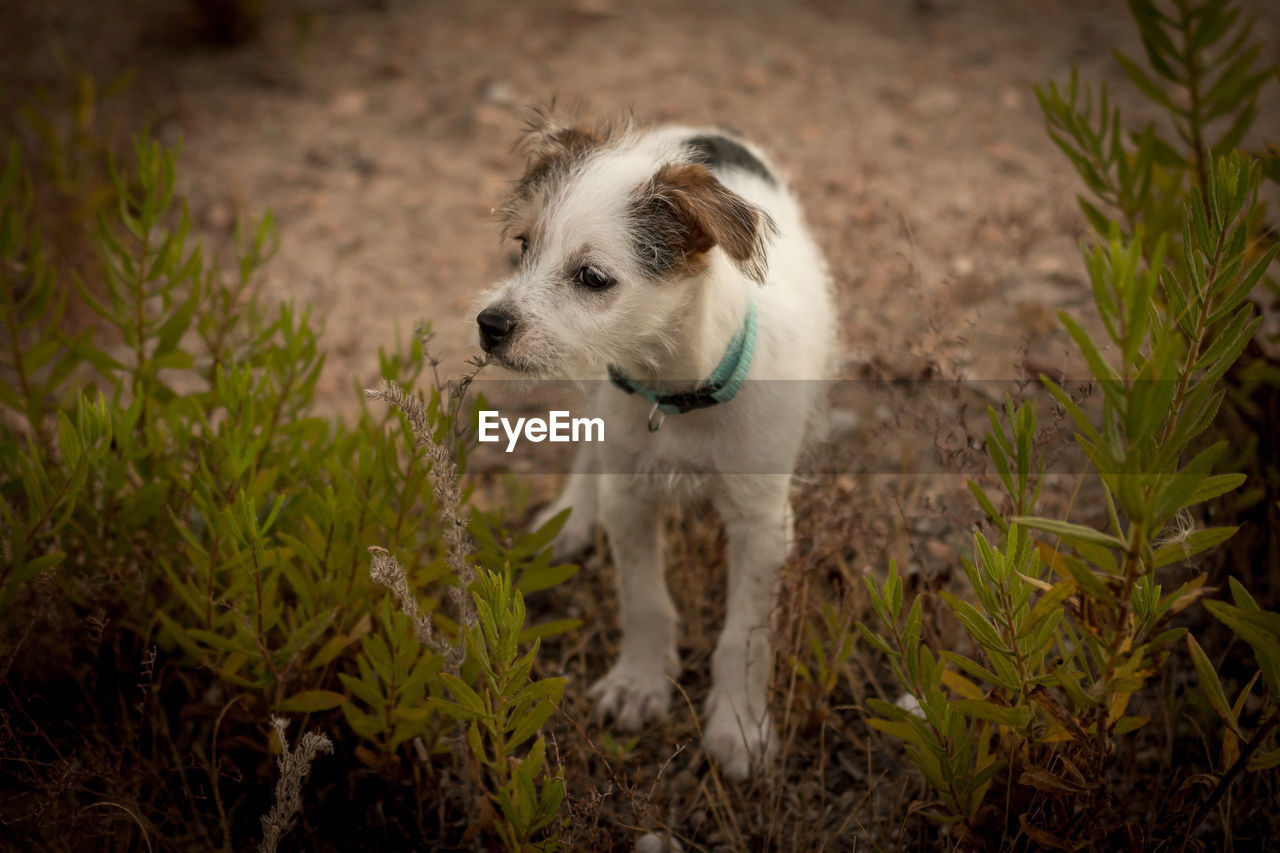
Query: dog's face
{"points": [[614, 234]]}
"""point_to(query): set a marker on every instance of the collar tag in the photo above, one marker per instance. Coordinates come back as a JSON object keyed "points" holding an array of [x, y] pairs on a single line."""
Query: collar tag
{"points": [[657, 417], [723, 385]]}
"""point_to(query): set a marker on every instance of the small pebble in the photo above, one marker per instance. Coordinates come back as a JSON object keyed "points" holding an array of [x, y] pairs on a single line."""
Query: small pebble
{"points": [[653, 843]]}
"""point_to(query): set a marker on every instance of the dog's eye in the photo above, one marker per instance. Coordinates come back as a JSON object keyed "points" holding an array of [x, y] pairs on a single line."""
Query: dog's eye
{"points": [[592, 278], [524, 246]]}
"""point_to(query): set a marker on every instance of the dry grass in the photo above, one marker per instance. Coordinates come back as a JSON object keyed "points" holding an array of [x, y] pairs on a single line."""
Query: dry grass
{"points": [[86, 766]]}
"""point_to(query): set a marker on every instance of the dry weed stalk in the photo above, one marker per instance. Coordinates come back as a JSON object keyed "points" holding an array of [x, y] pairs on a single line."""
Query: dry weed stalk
{"points": [[384, 568], [295, 764]]}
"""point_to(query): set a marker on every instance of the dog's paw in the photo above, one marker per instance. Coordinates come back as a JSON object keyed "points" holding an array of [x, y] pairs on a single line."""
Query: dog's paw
{"points": [[632, 695], [736, 742]]}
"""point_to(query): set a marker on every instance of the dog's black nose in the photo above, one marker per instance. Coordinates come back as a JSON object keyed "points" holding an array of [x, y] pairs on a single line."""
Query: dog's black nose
{"points": [[495, 324]]}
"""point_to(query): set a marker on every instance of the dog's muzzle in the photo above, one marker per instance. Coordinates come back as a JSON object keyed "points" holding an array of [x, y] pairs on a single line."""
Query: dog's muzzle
{"points": [[496, 325]]}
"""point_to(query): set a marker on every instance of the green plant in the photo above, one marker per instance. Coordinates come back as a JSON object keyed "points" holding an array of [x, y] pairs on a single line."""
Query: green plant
{"points": [[1202, 72], [1066, 636], [504, 711], [167, 467], [74, 147], [822, 658], [504, 707]]}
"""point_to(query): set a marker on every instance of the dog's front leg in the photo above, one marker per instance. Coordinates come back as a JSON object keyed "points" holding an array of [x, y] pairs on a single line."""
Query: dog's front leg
{"points": [[739, 731], [636, 689]]}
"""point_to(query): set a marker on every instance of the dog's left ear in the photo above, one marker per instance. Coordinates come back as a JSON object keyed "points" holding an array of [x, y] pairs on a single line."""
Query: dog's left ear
{"points": [[710, 214], [550, 141], [546, 141]]}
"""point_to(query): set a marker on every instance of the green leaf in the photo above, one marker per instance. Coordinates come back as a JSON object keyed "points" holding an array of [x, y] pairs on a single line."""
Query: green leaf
{"points": [[1265, 760], [462, 691], [24, 572], [173, 360], [452, 710], [171, 332], [1210, 684], [331, 648], [978, 626], [1261, 630], [1088, 580], [1082, 421], [302, 636], [1102, 371], [901, 730], [534, 718], [888, 710], [1235, 84], [1017, 717], [1049, 602], [548, 629], [1145, 83], [875, 640], [367, 693], [1214, 486], [1125, 725], [545, 535], [1188, 546], [1241, 596], [1070, 533], [988, 507], [217, 642], [1178, 488], [40, 354], [536, 579], [1096, 218], [361, 723], [309, 701]]}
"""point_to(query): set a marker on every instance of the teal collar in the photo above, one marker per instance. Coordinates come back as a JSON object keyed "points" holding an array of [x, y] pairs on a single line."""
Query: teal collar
{"points": [[722, 387]]}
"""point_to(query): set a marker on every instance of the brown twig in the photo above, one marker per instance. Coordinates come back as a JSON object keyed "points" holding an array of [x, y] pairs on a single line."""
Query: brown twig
{"points": [[1261, 734]]}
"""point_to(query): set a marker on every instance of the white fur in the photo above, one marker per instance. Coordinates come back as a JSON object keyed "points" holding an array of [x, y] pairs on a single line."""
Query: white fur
{"points": [[739, 454]]}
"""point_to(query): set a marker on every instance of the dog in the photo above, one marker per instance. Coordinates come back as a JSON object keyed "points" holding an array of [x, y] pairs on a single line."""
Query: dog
{"points": [[674, 262]]}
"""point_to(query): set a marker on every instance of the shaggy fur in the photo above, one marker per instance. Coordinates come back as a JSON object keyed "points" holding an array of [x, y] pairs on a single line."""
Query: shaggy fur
{"points": [[642, 250]]}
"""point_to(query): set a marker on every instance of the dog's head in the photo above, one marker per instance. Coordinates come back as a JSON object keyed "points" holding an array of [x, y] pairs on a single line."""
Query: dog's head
{"points": [[616, 230]]}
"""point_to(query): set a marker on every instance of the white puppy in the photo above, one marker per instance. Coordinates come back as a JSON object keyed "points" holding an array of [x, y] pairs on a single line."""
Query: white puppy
{"points": [[674, 262]]}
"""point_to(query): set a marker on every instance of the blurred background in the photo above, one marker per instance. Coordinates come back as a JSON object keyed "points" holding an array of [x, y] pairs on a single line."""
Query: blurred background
{"points": [[380, 134]]}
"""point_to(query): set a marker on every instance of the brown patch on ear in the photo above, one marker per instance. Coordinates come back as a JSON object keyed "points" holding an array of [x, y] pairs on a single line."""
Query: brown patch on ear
{"points": [[710, 214], [554, 141], [548, 145], [550, 150]]}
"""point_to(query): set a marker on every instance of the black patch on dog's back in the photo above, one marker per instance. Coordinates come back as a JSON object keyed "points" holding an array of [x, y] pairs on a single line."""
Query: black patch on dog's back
{"points": [[719, 152]]}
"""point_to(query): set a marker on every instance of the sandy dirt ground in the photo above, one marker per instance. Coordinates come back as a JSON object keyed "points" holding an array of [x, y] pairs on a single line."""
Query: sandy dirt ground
{"points": [[380, 136], [381, 140]]}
